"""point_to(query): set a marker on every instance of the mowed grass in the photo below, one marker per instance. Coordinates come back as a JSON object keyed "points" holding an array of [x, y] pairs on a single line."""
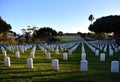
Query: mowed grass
{"points": [[69, 70], [67, 38]]}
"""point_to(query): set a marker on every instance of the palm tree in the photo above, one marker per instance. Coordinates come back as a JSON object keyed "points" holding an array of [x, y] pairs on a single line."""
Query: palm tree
{"points": [[91, 18]]}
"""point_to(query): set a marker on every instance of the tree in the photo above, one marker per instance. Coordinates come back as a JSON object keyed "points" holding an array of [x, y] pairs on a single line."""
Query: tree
{"points": [[4, 27], [26, 34], [91, 18], [30, 33], [45, 33], [23, 30], [33, 31], [107, 24], [60, 33]]}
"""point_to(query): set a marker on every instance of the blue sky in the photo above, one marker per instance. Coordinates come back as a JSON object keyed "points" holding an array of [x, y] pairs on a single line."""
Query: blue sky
{"points": [[62, 15]]}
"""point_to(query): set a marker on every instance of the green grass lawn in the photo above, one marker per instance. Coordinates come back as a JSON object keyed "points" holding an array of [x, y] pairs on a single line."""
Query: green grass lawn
{"points": [[69, 70], [67, 38]]}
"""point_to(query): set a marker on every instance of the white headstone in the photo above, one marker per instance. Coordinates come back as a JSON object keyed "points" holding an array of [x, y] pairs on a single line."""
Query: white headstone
{"points": [[93, 49], [22, 51], [83, 49], [4, 53], [111, 52], [83, 56], [62, 49], [105, 49], [116, 49], [7, 61], [65, 56], [30, 63], [32, 54], [18, 54], [52, 48], [102, 57], [25, 49], [57, 51], [70, 52], [17, 48], [101, 47], [115, 66], [45, 51], [48, 56], [97, 52], [13, 50], [84, 65], [65, 47], [55, 64]]}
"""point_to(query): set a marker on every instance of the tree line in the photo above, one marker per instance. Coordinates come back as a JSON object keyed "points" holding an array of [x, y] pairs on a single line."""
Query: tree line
{"points": [[43, 34]]}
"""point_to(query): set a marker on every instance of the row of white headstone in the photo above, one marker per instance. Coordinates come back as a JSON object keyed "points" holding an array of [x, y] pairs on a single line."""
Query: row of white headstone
{"points": [[55, 64], [90, 46], [32, 53], [103, 45], [21, 48], [83, 54], [70, 51], [5, 54], [105, 50], [97, 51], [48, 55], [58, 47], [3, 51], [84, 65], [44, 50], [8, 64], [26, 47], [84, 62]]}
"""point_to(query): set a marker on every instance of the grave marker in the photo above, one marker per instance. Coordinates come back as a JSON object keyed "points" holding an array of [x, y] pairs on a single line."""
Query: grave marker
{"points": [[84, 65], [97, 52], [57, 51], [115, 66], [32, 54], [4, 53], [18, 54], [111, 52], [65, 56], [30, 63], [48, 56], [7, 61], [102, 57], [55, 64], [83, 56]]}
